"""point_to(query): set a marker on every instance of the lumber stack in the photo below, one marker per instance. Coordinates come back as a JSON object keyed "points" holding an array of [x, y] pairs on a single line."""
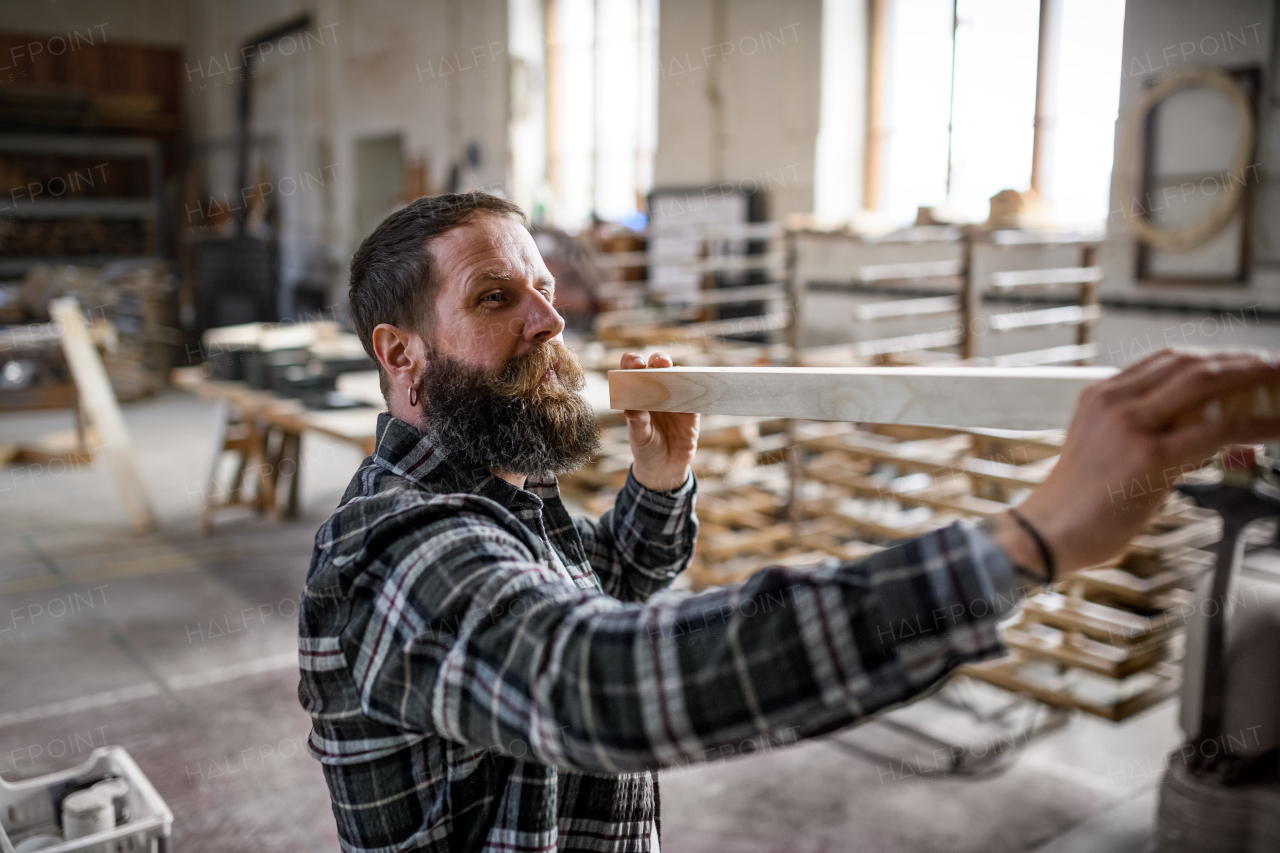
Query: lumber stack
{"points": [[140, 311], [726, 446], [922, 295], [753, 518], [1106, 640], [912, 439], [709, 286], [743, 500], [131, 311]]}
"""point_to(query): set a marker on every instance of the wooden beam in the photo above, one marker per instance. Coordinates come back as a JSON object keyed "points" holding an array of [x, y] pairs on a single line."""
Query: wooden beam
{"points": [[907, 308], [1036, 278], [1008, 398], [1065, 315], [913, 271], [102, 411], [1052, 355]]}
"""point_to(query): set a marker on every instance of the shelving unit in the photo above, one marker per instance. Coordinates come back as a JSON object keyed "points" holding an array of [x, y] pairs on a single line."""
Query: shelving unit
{"points": [[694, 274], [933, 282], [97, 218]]}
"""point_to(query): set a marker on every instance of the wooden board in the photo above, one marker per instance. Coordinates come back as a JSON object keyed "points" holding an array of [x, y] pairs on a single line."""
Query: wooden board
{"points": [[356, 426], [1044, 643], [1110, 584], [1008, 398], [102, 411], [1006, 673], [1107, 624]]}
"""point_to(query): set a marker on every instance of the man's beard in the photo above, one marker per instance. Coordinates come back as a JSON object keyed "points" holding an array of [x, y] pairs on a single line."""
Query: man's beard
{"points": [[512, 421]]}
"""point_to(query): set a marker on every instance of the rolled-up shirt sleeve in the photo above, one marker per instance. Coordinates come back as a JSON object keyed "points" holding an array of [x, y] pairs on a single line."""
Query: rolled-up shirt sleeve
{"points": [[474, 639]]}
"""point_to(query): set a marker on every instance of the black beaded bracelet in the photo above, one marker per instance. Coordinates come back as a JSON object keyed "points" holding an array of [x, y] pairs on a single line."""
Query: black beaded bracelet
{"points": [[1046, 556]]}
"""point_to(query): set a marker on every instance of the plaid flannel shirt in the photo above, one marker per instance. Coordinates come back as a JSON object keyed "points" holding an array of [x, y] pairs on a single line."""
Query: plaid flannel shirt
{"points": [[485, 673]]}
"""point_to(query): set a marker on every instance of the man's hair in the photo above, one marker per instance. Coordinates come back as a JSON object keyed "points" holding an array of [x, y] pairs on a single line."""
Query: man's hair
{"points": [[391, 276]]}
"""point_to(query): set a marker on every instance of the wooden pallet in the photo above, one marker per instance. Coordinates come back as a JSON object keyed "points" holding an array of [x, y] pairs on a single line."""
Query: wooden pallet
{"points": [[1133, 695], [1119, 584], [1111, 623], [1039, 641], [1099, 621]]}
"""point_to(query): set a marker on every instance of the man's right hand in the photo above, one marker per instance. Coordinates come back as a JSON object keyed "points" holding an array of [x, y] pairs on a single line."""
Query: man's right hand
{"points": [[1129, 440]]}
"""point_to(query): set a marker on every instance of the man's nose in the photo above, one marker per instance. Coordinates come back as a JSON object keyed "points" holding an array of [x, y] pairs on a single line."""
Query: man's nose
{"points": [[542, 321]]}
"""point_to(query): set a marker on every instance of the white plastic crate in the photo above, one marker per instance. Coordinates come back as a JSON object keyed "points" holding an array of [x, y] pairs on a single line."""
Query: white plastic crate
{"points": [[26, 809]]}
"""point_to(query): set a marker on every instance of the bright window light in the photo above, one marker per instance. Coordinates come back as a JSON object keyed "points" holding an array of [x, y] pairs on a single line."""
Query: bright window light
{"points": [[995, 109], [1078, 178], [837, 185], [617, 107], [917, 88], [606, 124], [575, 134], [995, 95]]}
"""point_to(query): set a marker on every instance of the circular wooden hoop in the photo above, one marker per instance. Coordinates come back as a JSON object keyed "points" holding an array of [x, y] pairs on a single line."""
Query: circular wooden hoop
{"points": [[1194, 235]]}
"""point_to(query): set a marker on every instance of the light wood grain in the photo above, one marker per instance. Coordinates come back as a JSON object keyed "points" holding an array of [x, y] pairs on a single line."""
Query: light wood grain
{"points": [[102, 411], [1007, 398]]}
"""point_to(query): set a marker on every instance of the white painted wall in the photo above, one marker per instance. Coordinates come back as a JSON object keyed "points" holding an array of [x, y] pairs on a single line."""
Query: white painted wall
{"points": [[434, 71], [1165, 36], [738, 97]]}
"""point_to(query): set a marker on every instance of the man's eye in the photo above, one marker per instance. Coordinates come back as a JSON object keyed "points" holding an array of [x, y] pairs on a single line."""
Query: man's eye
{"points": [[496, 296]]}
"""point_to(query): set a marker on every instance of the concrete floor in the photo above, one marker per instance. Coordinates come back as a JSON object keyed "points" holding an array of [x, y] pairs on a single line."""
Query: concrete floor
{"points": [[185, 654]]}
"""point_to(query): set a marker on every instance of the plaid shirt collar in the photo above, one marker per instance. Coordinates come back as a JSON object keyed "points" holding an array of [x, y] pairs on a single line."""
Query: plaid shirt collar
{"points": [[406, 452]]}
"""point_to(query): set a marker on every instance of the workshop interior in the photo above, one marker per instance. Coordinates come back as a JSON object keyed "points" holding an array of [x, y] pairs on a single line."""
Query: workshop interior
{"points": [[944, 197]]}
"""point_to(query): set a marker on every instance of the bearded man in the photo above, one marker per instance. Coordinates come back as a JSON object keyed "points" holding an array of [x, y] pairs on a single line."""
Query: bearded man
{"points": [[484, 672]]}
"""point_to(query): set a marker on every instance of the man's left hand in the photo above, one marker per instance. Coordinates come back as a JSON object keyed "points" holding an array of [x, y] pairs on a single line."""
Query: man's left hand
{"points": [[662, 443]]}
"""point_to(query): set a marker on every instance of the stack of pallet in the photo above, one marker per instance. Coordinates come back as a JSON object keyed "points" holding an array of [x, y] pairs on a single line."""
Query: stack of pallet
{"points": [[797, 493], [918, 296], [131, 309], [727, 447], [705, 294], [139, 307], [744, 496], [706, 286], [1106, 640], [747, 524]]}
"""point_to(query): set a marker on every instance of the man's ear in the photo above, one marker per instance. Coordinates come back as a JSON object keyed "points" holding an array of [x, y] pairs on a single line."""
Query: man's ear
{"points": [[401, 353]]}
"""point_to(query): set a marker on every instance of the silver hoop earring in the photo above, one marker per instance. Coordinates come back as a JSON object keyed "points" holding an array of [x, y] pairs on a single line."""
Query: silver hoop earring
{"points": [[413, 396]]}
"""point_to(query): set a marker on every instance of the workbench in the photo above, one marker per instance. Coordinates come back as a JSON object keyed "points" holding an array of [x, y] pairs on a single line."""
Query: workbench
{"points": [[265, 430]]}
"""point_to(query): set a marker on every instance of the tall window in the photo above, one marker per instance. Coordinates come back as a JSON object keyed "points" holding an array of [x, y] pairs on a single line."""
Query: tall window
{"points": [[603, 110], [526, 48], [917, 75], [1088, 97], [994, 106], [995, 101]]}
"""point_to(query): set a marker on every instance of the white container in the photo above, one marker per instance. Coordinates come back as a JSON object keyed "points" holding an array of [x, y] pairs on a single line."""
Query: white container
{"points": [[118, 790], [88, 812], [26, 809]]}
